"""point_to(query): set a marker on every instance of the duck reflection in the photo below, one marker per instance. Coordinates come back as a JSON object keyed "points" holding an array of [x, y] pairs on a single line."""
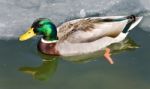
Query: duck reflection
{"points": [[49, 63], [45, 70]]}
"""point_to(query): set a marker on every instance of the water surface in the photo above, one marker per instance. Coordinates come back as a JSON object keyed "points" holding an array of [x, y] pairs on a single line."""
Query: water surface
{"points": [[19, 61]]}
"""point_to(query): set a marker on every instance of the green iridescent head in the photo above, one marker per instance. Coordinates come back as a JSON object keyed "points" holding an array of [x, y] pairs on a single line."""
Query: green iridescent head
{"points": [[41, 26]]}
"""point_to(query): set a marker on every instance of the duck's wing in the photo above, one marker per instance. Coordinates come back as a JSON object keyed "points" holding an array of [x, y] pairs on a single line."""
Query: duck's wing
{"points": [[70, 49], [90, 29]]}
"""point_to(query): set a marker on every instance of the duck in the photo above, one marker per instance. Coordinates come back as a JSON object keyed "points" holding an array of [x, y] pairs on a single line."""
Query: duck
{"points": [[81, 36]]}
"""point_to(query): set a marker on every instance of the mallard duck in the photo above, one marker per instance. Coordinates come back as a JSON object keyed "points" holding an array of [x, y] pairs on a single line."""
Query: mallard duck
{"points": [[81, 36]]}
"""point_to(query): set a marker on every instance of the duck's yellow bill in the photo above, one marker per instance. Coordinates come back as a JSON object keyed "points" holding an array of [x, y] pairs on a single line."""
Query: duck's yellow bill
{"points": [[29, 34]]}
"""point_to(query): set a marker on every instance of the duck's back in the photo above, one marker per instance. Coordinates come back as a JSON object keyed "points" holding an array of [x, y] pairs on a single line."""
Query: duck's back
{"points": [[89, 29]]}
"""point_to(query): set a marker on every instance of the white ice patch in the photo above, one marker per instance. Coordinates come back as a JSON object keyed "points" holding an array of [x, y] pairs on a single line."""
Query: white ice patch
{"points": [[146, 4], [17, 15], [82, 13], [2, 25]]}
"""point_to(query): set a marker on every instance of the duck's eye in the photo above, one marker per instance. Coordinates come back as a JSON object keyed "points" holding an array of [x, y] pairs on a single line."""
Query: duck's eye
{"points": [[39, 25]]}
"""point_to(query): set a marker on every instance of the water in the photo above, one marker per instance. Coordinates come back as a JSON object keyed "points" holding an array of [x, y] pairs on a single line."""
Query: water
{"points": [[22, 66]]}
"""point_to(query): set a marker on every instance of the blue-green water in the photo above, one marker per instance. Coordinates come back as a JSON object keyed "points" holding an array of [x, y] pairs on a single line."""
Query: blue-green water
{"points": [[21, 67]]}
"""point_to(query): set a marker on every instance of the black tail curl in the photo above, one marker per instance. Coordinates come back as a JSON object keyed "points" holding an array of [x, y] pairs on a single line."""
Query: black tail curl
{"points": [[132, 18]]}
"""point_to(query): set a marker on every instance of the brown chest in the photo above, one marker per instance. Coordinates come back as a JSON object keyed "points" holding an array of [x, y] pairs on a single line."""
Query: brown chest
{"points": [[48, 48]]}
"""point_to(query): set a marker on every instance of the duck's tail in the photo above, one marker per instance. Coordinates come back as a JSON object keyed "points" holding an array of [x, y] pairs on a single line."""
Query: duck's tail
{"points": [[133, 20]]}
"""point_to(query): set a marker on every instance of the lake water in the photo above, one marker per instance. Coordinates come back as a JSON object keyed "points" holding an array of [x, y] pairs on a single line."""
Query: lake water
{"points": [[22, 67]]}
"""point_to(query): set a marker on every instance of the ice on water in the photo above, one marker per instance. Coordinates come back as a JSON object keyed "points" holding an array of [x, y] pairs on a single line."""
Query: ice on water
{"points": [[17, 15]]}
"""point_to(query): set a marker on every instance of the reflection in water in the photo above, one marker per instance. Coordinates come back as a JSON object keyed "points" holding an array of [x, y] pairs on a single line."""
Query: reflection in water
{"points": [[127, 45], [49, 65], [45, 70]]}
